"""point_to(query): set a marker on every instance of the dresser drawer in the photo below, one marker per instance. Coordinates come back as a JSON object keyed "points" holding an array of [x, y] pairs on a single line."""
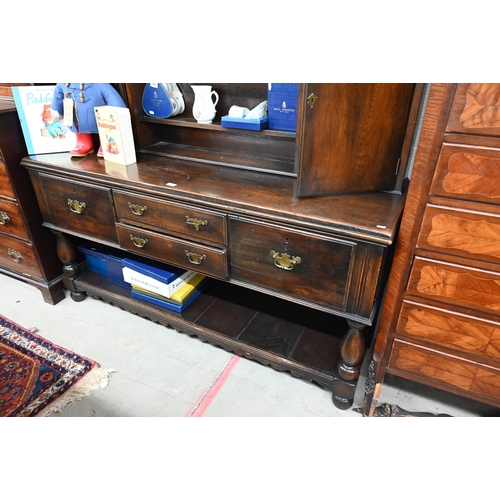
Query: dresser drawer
{"points": [[445, 370], [173, 218], [476, 109], [465, 233], [468, 173], [11, 221], [181, 253], [5, 186], [80, 208], [450, 329], [18, 256], [458, 285], [295, 263]]}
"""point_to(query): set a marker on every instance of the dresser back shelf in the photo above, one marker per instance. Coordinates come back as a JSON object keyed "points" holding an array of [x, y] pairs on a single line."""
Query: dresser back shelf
{"points": [[308, 269]]}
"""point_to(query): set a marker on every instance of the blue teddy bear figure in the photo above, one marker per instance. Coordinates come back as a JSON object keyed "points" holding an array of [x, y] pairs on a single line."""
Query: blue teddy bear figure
{"points": [[85, 96]]}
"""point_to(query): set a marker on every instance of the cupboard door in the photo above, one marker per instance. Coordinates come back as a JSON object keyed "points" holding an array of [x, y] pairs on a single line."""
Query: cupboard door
{"points": [[350, 136]]}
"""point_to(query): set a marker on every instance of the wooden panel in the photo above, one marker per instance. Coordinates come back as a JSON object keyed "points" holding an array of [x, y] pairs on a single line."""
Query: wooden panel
{"points": [[5, 185], [11, 220], [450, 329], [174, 250], [175, 218], [361, 152], [445, 369], [461, 286], [468, 173], [322, 276], [476, 109], [96, 219], [458, 232], [19, 256]]}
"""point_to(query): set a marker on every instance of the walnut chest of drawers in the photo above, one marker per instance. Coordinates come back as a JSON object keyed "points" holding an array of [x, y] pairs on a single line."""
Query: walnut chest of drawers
{"points": [[440, 323], [27, 250]]}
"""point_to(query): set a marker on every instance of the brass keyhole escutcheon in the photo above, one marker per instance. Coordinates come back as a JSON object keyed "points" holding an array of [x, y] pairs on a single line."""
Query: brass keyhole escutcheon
{"points": [[283, 260], [138, 242], [15, 255], [195, 258], [195, 222], [311, 100], [76, 206], [137, 209], [4, 218]]}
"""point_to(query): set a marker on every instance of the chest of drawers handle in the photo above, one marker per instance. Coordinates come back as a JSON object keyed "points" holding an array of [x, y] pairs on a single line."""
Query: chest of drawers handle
{"points": [[15, 255], [137, 209], [283, 261], [195, 258], [196, 222], [76, 206], [138, 242], [4, 218]]}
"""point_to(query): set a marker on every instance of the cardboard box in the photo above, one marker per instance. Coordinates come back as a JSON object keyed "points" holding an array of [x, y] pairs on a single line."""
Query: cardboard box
{"points": [[282, 101], [114, 266]]}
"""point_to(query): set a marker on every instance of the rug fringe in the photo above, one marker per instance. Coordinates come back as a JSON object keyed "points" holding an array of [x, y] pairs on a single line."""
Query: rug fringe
{"points": [[98, 377]]}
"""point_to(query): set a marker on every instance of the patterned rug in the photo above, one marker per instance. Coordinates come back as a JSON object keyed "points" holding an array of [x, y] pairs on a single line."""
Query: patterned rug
{"points": [[38, 377]]}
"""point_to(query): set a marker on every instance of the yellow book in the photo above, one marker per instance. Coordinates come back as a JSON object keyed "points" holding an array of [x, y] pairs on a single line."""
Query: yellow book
{"points": [[180, 296]]}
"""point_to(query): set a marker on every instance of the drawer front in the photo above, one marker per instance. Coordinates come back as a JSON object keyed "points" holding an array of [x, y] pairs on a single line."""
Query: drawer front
{"points": [[174, 218], [11, 221], [181, 253], [5, 186], [77, 207], [445, 369], [458, 285], [468, 174], [463, 233], [450, 329], [316, 270], [476, 109], [18, 256]]}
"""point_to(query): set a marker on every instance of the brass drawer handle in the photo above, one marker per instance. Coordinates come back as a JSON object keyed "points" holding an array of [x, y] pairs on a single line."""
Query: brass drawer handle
{"points": [[138, 242], [15, 255], [76, 206], [4, 218], [196, 222], [195, 258], [137, 209], [283, 261]]}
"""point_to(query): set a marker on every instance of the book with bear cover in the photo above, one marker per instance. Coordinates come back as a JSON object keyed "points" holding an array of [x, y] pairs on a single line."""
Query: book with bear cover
{"points": [[42, 126], [115, 133]]}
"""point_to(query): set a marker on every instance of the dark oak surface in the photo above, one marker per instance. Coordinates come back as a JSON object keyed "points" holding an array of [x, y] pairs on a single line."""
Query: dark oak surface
{"points": [[312, 318]]}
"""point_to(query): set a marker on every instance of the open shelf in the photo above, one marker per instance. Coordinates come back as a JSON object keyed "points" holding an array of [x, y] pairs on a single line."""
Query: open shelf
{"points": [[184, 121], [221, 158], [297, 339]]}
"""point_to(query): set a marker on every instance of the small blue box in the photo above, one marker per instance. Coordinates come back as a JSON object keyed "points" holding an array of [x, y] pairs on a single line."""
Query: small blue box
{"points": [[95, 260], [244, 123], [282, 100]]}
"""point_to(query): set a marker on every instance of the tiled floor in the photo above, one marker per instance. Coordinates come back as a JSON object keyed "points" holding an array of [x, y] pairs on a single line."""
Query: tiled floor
{"points": [[162, 373]]}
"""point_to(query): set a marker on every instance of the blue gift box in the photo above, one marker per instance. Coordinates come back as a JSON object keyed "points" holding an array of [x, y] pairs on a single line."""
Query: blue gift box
{"points": [[282, 100], [245, 123]]}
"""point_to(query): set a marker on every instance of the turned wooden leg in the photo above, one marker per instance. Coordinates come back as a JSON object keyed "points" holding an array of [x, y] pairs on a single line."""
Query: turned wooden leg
{"points": [[352, 350], [67, 255]]}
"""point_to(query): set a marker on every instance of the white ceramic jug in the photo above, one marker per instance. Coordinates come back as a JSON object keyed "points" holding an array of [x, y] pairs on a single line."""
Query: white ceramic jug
{"points": [[204, 104]]}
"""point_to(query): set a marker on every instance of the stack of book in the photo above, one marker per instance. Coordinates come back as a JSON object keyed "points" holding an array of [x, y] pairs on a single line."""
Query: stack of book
{"points": [[163, 285]]}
